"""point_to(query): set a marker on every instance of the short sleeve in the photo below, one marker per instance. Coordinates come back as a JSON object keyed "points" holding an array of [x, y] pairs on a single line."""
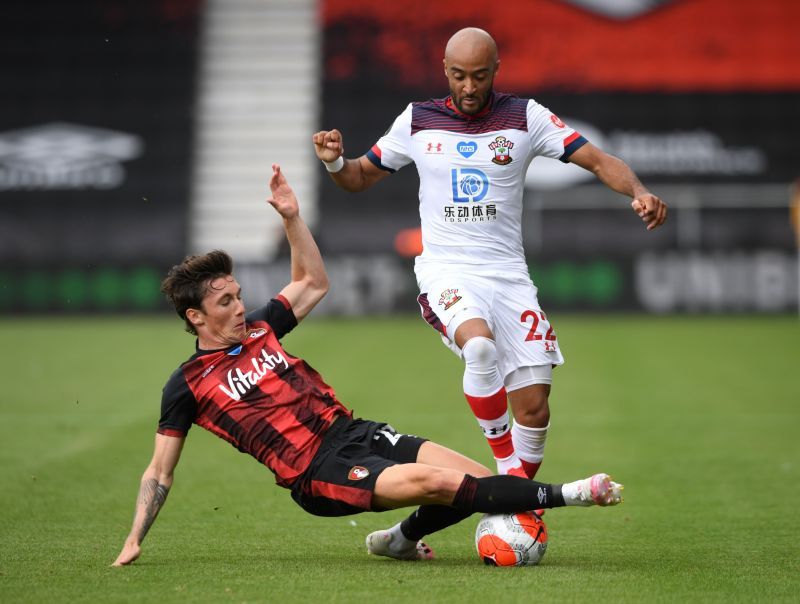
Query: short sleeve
{"points": [[278, 313], [550, 137], [178, 406], [392, 151]]}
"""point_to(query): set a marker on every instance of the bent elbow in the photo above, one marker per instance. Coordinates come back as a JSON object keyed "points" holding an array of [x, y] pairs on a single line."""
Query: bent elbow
{"points": [[320, 283], [321, 290], [318, 286]]}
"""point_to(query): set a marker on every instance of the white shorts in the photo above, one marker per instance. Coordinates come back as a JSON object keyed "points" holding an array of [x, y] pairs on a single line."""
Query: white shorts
{"points": [[509, 305]]}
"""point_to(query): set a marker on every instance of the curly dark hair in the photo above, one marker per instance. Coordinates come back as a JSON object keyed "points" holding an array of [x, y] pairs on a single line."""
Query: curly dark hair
{"points": [[186, 284]]}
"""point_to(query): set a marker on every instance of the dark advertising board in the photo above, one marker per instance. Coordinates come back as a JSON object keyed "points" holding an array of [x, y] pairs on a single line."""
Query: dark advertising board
{"points": [[95, 151]]}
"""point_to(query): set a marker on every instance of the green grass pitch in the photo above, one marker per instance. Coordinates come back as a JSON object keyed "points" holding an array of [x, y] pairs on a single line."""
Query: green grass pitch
{"points": [[698, 416]]}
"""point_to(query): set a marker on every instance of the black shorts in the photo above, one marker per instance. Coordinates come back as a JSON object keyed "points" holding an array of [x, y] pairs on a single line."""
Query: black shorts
{"points": [[341, 478]]}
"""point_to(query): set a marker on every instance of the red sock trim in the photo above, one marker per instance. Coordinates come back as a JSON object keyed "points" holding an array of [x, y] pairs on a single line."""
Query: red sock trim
{"points": [[488, 407], [502, 446]]}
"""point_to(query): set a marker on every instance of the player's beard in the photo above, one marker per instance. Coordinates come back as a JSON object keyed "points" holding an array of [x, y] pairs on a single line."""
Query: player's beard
{"points": [[481, 105]]}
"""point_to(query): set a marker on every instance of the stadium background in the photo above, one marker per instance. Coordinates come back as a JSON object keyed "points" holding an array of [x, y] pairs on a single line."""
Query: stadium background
{"points": [[132, 133]]}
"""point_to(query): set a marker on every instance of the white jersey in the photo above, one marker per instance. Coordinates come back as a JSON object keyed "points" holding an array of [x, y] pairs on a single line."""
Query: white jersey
{"points": [[472, 172]]}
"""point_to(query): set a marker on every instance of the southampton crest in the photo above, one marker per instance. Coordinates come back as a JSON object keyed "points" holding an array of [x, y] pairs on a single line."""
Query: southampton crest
{"points": [[448, 298], [501, 147]]}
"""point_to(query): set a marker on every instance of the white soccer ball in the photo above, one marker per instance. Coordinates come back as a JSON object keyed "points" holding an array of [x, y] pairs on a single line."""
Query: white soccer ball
{"points": [[511, 539]]}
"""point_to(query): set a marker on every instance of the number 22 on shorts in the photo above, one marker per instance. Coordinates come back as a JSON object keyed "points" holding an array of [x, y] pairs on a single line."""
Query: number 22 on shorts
{"points": [[535, 317]]}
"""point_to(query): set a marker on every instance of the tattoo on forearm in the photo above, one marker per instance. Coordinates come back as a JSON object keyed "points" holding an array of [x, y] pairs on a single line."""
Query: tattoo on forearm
{"points": [[151, 495]]}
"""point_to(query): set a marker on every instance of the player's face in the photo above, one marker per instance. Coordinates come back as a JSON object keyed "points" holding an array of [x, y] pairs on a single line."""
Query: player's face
{"points": [[470, 78], [222, 314]]}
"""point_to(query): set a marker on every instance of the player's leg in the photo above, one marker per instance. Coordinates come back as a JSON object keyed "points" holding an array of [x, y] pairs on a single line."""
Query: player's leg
{"points": [[402, 485], [458, 310], [423, 471], [485, 392], [528, 351], [403, 540], [434, 454], [531, 411], [447, 496]]}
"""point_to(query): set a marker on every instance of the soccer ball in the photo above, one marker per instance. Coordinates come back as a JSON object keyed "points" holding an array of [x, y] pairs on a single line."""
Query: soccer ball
{"points": [[511, 539]]}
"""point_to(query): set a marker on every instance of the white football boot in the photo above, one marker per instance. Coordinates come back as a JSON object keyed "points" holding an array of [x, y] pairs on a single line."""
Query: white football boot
{"points": [[380, 543], [595, 490]]}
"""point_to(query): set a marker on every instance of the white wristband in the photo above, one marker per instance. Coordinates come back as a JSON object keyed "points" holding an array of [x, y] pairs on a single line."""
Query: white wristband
{"points": [[335, 165]]}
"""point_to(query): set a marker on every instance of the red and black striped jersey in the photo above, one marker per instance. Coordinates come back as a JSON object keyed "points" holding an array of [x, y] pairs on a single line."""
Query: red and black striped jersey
{"points": [[256, 396]]}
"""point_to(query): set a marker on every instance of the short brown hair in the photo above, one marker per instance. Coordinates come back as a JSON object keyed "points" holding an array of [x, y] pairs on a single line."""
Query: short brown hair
{"points": [[186, 284]]}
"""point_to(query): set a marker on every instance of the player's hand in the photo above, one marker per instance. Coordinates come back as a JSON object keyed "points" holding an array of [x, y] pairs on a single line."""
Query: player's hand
{"points": [[129, 553], [650, 209], [283, 198], [328, 145]]}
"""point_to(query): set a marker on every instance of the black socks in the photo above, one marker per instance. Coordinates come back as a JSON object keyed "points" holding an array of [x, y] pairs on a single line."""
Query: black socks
{"points": [[505, 494], [492, 494]]}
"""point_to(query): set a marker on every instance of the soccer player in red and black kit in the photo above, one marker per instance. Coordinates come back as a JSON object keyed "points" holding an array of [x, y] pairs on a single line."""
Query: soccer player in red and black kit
{"points": [[244, 387]]}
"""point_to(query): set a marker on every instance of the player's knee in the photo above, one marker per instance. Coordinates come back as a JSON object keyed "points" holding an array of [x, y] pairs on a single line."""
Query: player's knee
{"points": [[537, 418], [534, 413], [533, 418], [480, 352]]}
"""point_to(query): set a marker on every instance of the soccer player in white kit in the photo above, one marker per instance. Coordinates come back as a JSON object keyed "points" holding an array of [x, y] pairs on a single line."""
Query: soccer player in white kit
{"points": [[472, 150]]}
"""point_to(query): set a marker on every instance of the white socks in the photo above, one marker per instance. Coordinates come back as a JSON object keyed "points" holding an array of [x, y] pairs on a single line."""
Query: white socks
{"points": [[529, 442]]}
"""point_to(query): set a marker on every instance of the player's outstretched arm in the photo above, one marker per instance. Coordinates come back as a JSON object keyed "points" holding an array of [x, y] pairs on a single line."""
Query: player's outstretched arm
{"points": [[617, 175], [309, 282], [155, 486], [352, 175]]}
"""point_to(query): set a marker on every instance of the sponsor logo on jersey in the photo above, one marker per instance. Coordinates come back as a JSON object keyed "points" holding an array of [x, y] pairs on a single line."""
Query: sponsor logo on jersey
{"points": [[448, 298], [555, 119], [468, 184], [256, 333], [467, 148], [357, 473], [241, 382], [65, 156], [501, 147], [475, 213], [434, 148]]}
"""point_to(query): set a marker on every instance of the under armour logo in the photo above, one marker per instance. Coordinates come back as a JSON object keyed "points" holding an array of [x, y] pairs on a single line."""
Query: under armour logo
{"points": [[494, 430], [434, 147]]}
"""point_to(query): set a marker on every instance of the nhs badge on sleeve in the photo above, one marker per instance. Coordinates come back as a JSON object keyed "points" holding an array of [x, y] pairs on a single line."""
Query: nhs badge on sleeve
{"points": [[468, 184]]}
